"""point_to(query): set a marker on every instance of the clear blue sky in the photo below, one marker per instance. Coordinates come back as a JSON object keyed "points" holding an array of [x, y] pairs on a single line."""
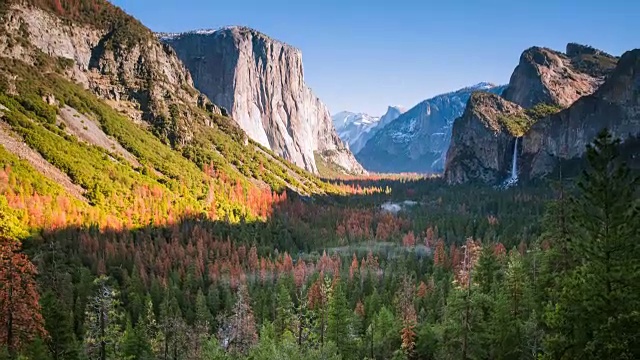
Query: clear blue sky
{"points": [[362, 55]]}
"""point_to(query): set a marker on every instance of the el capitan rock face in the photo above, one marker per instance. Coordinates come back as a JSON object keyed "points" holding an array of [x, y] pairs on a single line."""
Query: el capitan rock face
{"points": [[481, 142], [260, 82]]}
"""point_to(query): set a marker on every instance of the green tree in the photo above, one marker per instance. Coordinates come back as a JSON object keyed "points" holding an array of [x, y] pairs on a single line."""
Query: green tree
{"points": [[512, 311], [135, 346], [383, 335], [172, 328], [103, 322], [58, 322], [596, 314], [284, 310], [463, 332], [339, 320]]}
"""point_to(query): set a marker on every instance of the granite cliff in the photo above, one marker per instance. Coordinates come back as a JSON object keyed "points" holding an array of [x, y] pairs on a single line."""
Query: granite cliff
{"points": [[260, 81]]}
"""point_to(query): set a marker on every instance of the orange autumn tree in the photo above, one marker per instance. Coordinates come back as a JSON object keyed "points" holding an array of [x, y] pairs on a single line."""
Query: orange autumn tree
{"points": [[19, 299], [405, 298]]}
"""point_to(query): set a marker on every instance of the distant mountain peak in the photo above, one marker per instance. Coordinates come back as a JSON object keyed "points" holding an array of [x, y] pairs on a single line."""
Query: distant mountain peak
{"points": [[417, 140]]}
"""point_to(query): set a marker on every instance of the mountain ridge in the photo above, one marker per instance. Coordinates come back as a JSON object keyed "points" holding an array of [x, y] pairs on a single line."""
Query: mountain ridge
{"points": [[356, 129], [401, 147]]}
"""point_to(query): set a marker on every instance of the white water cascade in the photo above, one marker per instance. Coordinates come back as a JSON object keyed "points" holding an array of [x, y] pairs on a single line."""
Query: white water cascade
{"points": [[513, 179]]}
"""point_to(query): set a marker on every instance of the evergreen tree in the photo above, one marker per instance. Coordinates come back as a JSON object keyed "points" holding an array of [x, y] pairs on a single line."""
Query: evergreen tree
{"points": [[134, 345], [57, 315], [148, 327], [512, 311], [199, 333], [596, 314], [172, 328], [383, 335], [103, 321], [284, 310], [464, 331], [339, 320]]}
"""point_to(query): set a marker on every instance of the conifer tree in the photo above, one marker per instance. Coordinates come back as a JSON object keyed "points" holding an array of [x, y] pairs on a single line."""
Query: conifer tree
{"points": [[339, 320], [238, 332], [596, 314], [103, 322], [284, 310]]}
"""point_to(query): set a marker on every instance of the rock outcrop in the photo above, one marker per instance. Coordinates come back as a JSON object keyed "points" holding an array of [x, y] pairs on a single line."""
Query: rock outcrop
{"points": [[551, 77], [260, 82], [564, 136], [481, 140], [124, 64], [417, 141]]}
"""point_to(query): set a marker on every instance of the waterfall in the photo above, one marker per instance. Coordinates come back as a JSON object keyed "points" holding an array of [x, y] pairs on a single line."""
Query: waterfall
{"points": [[513, 179], [514, 163]]}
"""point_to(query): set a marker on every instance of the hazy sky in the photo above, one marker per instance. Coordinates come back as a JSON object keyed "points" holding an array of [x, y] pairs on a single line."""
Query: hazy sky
{"points": [[362, 55]]}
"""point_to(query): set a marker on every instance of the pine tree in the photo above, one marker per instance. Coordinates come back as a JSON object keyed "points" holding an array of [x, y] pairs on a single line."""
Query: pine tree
{"points": [[383, 335], [134, 344], [596, 314], [103, 321], [512, 311], [487, 271], [238, 332], [201, 327], [172, 328], [148, 327], [284, 310], [61, 341], [339, 320], [463, 332]]}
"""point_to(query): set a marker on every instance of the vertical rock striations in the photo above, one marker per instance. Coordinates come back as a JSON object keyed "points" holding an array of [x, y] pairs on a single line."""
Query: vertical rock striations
{"points": [[260, 81]]}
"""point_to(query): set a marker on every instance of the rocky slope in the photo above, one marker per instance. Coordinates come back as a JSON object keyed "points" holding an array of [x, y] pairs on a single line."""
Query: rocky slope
{"points": [[417, 140], [260, 82], [356, 129], [593, 88], [120, 63], [121, 108]]}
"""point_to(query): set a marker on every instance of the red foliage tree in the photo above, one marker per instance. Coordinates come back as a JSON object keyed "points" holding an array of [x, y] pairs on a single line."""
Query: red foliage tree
{"points": [[19, 299], [440, 254], [354, 267], [409, 239], [422, 290], [359, 310], [408, 315]]}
